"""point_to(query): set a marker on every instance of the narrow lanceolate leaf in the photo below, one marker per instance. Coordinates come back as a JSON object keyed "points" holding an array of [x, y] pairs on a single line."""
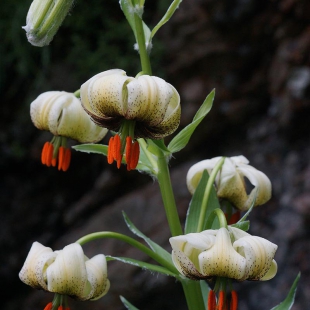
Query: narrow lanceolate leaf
{"points": [[153, 245], [244, 225], [143, 265], [92, 148], [172, 8], [127, 304], [183, 137], [288, 302], [193, 212]]}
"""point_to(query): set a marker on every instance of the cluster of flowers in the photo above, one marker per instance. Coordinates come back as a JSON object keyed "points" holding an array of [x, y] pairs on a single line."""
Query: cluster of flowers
{"points": [[143, 107]]}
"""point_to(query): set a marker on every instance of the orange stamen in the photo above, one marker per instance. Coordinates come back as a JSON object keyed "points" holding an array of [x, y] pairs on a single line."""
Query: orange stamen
{"points": [[117, 154], [61, 153], [211, 300], [234, 300], [221, 303], [128, 152], [49, 155], [135, 155], [44, 153], [235, 217], [110, 151], [49, 306], [66, 160]]}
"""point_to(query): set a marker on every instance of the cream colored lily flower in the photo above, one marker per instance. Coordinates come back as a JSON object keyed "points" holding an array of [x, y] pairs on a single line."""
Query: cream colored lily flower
{"points": [[61, 113], [230, 253], [230, 181], [142, 107], [66, 272]]}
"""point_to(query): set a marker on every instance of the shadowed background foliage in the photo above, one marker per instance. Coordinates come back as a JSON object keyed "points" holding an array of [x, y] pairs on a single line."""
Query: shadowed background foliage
{"points": [[256, 55]]}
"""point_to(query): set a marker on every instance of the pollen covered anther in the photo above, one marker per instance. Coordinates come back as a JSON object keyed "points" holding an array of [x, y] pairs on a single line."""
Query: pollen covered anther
{"points": [[115, 151], [234, 301], [211, 300], [49, 306]]}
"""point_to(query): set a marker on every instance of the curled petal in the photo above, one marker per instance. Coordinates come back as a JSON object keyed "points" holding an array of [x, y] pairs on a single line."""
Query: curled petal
{"points": [[61, 113], [98, 283], [33, 270], [259, 254], [67, 275], [222, 259]]}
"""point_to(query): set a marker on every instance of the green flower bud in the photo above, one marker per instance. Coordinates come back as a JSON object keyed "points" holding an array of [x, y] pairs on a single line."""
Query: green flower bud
{"points": [[44, 18]]}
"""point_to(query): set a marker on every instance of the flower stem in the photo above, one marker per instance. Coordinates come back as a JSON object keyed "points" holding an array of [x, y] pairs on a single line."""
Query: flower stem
{"points": [[165, 186], [204, 203], [221, 217], [144, 57], [129, 240], [192, 292]]}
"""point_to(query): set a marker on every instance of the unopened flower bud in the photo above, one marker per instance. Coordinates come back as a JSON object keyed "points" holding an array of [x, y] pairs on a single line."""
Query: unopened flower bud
{"points": [[44, 18]]}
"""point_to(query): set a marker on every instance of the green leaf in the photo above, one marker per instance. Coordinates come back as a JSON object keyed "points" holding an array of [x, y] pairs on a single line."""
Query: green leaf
{"points": [[172, 8], [92, 148], [143, 265], [157, 144], [288, 302], [244, 225], [183, 137], [127, 304], [193, 212], [154, 246]]}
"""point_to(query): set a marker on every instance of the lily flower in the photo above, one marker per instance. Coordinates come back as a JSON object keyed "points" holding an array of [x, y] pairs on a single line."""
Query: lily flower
{"points": [[61, 113], [224, 253], [142, 107], [230, 181], [67, 272]]}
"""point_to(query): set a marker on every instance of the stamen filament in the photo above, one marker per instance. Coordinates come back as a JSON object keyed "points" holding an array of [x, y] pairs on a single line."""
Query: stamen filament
{"points": [[211, 300]]}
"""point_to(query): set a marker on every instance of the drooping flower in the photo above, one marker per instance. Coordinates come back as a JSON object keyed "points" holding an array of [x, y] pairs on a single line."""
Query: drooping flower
{"points": [[230, 181], [44, 18], [142, 107], [61, 113], [67, 272], [225, 253]]}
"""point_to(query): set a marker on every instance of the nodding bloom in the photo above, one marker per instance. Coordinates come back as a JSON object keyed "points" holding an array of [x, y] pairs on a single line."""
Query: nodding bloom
{"points": [[142, 107], [61, 113], [230, 181], [44, 18], [221, 255], [67, 272]]}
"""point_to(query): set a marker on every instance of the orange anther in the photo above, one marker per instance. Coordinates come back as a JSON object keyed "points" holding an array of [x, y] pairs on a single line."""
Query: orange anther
{"points": [[61, 154], [235, 217], [110, 157], [49, 155], [66, 160], [49, 306], [117, 154], [44, 153], [128, 152], [221, 303], [211, 300], [234, 300]]}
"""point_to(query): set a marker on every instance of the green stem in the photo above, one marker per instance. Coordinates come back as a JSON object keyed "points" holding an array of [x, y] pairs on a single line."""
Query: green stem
{"points": [[144, 57], [221, 217], [165, 186], [192, 292], [131, 241], [206, 196]]}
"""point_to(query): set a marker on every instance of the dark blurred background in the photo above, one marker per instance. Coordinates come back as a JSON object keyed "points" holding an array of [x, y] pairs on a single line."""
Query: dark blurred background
{"points": [[257, 56]]}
